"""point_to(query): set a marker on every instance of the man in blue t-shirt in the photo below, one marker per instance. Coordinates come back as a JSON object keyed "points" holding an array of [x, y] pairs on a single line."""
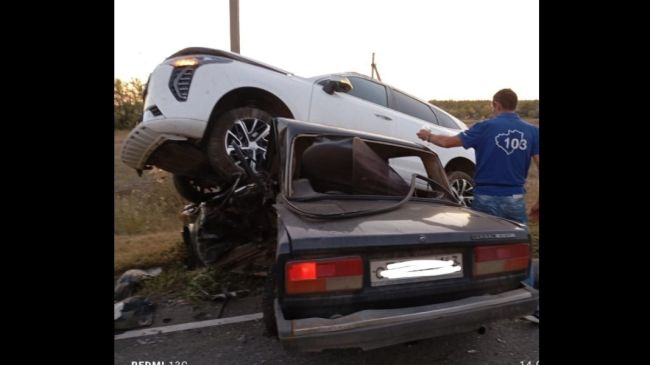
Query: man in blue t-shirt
{"points": [[504, 146]]}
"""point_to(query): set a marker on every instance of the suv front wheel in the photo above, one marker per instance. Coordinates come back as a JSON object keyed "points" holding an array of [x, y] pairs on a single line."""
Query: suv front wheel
{"points": [[249, 128]]}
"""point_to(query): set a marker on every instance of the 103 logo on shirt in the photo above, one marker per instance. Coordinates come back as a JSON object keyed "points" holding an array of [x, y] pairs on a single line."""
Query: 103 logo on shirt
{"points": [[511, 141]]}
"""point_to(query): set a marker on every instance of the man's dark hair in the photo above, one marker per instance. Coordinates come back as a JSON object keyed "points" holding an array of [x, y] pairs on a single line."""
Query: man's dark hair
{"points": [[507, 98]]}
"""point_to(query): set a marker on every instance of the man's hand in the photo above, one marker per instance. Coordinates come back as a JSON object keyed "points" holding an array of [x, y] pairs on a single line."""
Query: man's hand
{"points": [[439, 140], [424, 134], [533, 215]]}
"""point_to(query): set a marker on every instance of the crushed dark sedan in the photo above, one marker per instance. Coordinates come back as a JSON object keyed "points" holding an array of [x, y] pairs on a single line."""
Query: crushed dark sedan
{"points": [[363, 257]]}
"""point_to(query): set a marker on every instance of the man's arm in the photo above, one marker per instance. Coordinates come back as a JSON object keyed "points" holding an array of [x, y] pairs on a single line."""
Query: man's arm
{"points": [[440, 140], [534, 210]]}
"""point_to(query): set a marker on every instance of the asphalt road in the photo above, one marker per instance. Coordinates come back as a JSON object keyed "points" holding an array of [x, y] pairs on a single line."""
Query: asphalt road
{"points": [[505, 342]]}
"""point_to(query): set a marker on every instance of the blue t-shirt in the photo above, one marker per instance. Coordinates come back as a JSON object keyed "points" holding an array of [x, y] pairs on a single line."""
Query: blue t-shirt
{"points": [[504, 147]]}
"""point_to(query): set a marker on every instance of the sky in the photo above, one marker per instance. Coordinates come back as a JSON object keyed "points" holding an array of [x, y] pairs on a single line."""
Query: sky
{"points": [[432, 49]]}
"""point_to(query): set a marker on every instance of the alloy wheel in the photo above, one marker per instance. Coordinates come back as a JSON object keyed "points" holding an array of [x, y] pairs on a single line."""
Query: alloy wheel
{"points": [[252, 137]]}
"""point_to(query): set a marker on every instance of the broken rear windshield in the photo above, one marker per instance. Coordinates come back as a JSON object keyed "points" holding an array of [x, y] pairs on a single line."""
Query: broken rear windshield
{"points": [[336, 166]]}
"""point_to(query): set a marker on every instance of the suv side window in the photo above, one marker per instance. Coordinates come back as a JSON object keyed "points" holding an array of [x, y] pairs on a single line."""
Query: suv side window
{"points": [[368, 90], [444, 120], [413, 107]]}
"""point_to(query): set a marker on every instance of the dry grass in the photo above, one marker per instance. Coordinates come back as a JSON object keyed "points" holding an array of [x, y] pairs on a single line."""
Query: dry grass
{"points": [[148, 250], [144, 204], [199, 284], [469, 122], [147, 225], [148, 209]]}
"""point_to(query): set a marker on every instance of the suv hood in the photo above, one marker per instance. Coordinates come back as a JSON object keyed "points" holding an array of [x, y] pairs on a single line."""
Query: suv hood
{"points": [[219, 53]]}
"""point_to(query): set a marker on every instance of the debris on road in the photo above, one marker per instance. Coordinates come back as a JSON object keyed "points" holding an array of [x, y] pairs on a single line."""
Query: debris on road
{"points": [[133, 312], [126, 284]]}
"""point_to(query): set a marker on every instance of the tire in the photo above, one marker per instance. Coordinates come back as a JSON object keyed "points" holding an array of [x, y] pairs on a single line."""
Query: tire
{"points": [[462, 185], [270, 293], [244, 125], [192, 190]]}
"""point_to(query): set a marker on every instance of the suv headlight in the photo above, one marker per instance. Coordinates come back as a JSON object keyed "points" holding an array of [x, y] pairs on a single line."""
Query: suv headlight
{"points": [[195, 61]]}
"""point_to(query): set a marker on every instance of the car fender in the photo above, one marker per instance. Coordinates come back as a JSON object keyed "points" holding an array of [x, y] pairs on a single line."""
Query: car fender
{"points": [[294, 91]]}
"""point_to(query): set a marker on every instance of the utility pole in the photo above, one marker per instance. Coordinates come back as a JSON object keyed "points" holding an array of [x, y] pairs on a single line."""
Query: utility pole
{"points": [[373, 68], [234, 26]]}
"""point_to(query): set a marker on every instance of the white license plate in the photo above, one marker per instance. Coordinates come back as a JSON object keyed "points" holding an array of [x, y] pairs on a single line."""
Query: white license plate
{"points": [[414, 269]]}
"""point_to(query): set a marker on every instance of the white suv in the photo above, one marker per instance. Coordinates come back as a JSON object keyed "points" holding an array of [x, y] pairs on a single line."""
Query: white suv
{"points": [[201, 101]]}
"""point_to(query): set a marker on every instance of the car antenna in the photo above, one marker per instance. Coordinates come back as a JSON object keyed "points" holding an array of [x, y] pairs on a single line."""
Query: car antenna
{"points": [[373, 68]]}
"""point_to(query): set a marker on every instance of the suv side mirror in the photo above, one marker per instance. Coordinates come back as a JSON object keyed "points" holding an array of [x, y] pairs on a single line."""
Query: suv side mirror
{"points": [[343, 85]]}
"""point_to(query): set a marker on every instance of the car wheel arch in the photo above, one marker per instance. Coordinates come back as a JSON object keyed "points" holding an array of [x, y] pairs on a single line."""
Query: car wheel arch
{"points": [[247, 97], [460, 164]]}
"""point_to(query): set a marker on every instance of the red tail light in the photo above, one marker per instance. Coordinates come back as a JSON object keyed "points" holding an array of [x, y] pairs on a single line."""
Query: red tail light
{"points": [[315, 276], [501, 258], [301, 271]]}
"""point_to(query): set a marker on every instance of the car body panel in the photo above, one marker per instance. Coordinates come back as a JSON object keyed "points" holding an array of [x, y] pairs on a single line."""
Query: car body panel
{"points": [[415, 223], [394, 312]]}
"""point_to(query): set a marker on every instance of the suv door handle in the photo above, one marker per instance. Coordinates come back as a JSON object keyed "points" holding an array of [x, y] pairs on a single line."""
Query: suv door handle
{"points": [[383, 117]]}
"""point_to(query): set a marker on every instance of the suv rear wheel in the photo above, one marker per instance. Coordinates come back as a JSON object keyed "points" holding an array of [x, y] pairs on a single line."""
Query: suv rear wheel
{"points": [[249, 128], [462, 185]]}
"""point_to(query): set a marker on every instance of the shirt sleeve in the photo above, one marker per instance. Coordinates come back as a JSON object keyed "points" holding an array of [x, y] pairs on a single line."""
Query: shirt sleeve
{"points": [[472, 136], [535, 147]]}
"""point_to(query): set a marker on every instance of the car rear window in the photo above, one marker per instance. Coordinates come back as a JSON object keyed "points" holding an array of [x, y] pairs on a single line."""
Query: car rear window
{"points": [[444, 120]]}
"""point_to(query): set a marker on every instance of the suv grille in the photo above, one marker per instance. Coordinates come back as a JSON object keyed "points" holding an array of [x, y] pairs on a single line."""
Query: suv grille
{"points": [[180, 82]]}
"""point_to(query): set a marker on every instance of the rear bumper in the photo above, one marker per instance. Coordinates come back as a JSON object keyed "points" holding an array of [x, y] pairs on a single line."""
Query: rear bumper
{"points": [[371, 329]]}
